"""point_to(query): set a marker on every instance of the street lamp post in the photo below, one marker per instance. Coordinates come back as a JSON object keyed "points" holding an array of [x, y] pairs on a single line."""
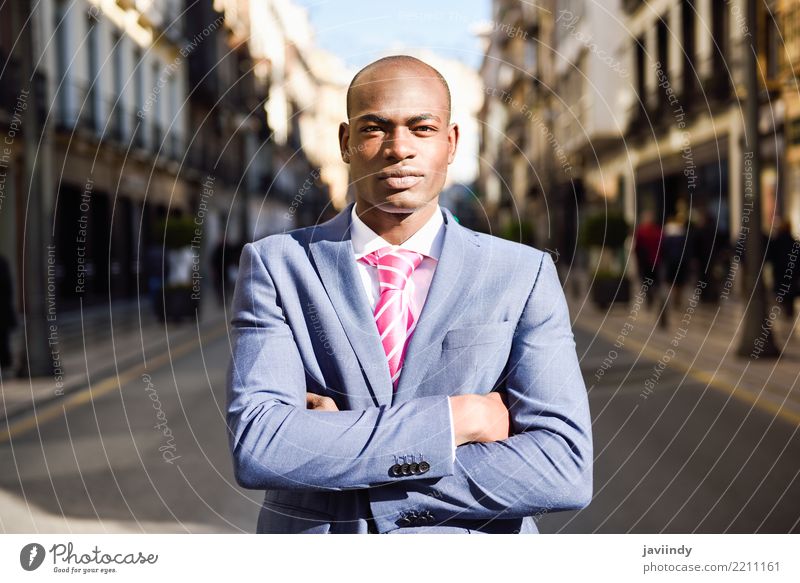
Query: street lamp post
{"points": [[756, 339], [36, 359]]}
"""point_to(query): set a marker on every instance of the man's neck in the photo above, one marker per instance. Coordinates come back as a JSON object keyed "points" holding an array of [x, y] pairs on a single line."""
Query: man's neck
{"points": [[396, 228]]}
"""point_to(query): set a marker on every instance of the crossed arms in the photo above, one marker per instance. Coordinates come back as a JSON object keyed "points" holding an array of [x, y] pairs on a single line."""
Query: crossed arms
{"points": [[279, 443]]}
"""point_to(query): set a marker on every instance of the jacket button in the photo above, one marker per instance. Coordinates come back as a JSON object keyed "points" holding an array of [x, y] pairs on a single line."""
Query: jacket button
{"points": [[404, 522], [405, 469], [414, 468], [424, 467], [395, 470]]}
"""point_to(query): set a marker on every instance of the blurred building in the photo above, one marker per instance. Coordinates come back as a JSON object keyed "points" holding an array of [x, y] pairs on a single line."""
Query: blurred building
{"points": [[641, 102], [685, 119], [306, 92], [511, 112], [228, 152], [325, 108], [138, 111], [592, 81], [788, 13], [117, 128]]}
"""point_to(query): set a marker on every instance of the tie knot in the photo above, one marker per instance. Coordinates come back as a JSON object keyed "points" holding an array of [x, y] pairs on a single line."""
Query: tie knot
{"points": [[395, 265]]}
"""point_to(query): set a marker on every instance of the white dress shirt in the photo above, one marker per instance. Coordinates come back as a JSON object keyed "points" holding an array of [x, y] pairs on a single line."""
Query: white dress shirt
{"points": [[427, 240]]}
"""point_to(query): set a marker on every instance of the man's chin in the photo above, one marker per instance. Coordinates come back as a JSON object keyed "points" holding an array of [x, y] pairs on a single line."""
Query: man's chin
{"points": [[400, 203]]}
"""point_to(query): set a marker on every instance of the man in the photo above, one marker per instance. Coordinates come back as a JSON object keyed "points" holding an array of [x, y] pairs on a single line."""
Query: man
{"points": [[647, 245], [392, 370], [8, 317]]}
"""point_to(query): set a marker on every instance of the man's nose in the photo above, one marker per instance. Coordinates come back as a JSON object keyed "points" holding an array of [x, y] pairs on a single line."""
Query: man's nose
{"points": [[399, 145]]}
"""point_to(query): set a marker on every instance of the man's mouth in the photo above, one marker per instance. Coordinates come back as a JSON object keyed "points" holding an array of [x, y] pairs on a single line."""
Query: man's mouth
{"points": [[400, 179]]}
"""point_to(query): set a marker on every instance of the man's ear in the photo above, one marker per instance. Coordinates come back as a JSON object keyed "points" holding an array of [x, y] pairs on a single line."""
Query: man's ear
{"points": [[344, 142], [452, 138]]}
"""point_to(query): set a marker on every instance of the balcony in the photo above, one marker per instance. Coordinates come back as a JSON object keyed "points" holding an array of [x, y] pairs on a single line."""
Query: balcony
{"points": [[10, 83], [121, 122], [77, 108], [638, 121], [139, 139], [718, 87], [174, 147]]}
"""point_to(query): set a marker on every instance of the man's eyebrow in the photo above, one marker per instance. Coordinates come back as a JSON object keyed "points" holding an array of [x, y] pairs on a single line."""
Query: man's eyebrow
{"points": [[375, 118], [422, 117]]}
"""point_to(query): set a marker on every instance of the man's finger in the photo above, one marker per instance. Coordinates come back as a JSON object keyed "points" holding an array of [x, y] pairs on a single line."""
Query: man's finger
{"points": [[320, 403]]}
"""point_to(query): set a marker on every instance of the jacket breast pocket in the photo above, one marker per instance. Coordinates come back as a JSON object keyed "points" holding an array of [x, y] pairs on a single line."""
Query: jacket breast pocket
{"points": [[473, 357], [477, 335]]}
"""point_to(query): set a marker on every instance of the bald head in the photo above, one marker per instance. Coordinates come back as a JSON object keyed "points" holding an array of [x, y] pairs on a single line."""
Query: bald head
{"points": [[393, 67]]}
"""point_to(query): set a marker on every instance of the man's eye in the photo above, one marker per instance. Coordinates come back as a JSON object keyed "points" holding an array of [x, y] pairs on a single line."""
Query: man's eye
{"points": [[371, 129], [425, 129]]}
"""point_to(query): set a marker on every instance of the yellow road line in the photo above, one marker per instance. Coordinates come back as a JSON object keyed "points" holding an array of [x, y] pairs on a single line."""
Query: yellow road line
{"points": [[741, 394], [55, 409]]}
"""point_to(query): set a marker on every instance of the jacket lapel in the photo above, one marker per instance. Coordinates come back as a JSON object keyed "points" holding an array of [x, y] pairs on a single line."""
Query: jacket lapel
{"points": [[333, 255], [448, 297]]}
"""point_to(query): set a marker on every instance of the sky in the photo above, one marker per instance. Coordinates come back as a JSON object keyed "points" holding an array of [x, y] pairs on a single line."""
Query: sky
{"points": [[358, 31]]}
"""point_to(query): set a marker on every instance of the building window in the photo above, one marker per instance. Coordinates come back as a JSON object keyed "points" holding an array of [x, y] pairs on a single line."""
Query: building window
{"points": [[662, 52], [175, 117], [61, 28], [640, 69], [768, 41], [138, 90], [119, 130], [720, 78], [92, 105], [688, 25], [157, 98]]}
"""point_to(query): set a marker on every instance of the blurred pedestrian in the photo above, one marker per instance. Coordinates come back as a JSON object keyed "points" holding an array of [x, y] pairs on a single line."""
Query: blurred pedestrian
{"points": [[706, 242], [8, 315], [219, 270], [233, 253], [782, 253], [157, 272], [647, 246], [675, 256]]}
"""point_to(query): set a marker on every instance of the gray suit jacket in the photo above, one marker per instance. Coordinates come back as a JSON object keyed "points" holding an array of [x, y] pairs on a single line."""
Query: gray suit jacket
{"points": [[495, 319]]}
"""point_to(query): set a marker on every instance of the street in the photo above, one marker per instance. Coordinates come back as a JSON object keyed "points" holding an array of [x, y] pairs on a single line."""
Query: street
{"points": [[153, 456], [686, 459], [102, 464]]}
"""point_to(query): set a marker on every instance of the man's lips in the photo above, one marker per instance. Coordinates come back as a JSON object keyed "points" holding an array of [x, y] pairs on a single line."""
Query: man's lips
{"points": [[400, 178]]}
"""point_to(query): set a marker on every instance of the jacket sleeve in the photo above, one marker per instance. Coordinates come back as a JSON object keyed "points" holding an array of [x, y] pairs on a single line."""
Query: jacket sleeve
{"points": [[546, 464], [279, 444]]}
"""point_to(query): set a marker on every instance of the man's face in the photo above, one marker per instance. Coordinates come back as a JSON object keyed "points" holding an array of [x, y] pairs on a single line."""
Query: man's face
{"points": [[398, 142]]}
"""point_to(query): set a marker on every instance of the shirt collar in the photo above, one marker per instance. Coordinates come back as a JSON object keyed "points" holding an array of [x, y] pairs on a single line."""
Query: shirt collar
{"points": [[427, 240]]}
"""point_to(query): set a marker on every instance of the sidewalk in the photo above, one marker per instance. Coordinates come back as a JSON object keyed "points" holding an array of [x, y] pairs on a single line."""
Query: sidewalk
{"points": [[700, 341], [91, 348]]}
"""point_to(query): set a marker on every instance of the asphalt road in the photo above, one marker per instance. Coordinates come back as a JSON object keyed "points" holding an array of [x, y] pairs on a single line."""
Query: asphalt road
{"points": [[675, 456], [152, 456]]}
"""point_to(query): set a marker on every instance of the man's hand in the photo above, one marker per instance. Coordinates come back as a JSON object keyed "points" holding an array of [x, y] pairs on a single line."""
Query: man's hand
{"points": [[320, 403], [481, 418]]}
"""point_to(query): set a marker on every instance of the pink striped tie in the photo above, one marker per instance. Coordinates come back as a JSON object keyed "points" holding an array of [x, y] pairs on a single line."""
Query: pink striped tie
{"points": [[393, 313]]}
